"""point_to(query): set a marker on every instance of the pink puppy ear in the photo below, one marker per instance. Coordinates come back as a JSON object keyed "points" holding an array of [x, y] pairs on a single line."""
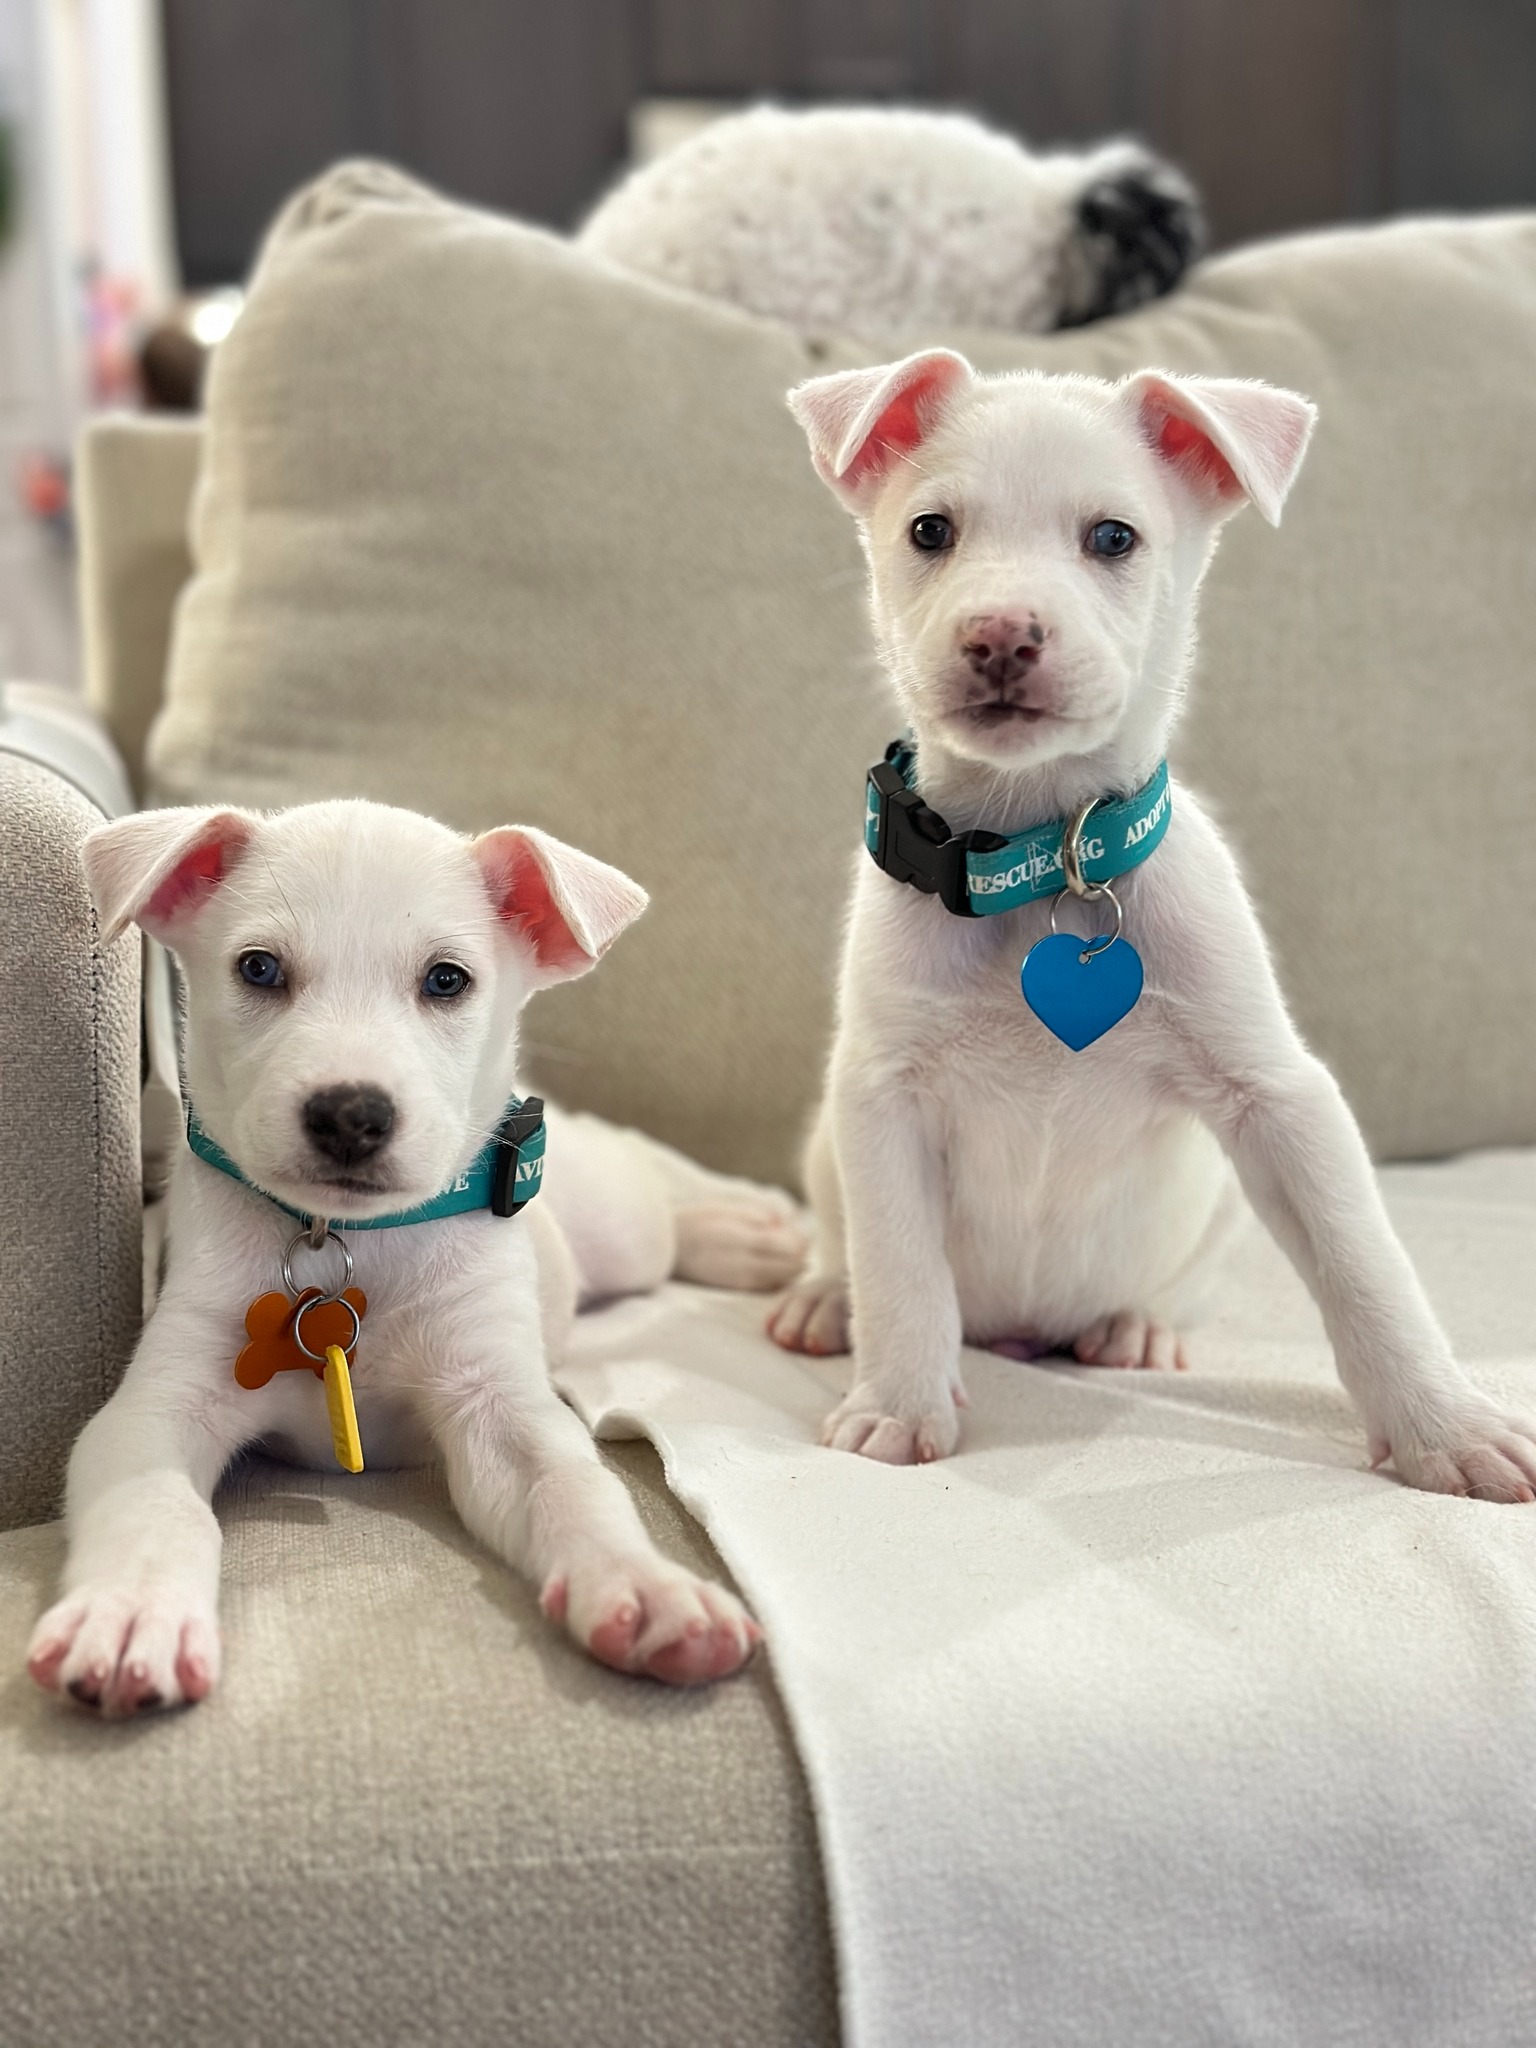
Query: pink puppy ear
{"points": [[1225, 438], [860, 423], [157, 869], [566, 907]]}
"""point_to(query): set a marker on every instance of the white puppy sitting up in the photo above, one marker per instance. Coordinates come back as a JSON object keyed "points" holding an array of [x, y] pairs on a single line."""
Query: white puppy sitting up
{"points": [[353, 978], [1035, 547]]}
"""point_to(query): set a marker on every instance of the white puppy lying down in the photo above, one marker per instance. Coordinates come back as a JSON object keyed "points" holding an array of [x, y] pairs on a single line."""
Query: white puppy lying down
{"points": [[1035, 546], [353, 977]]}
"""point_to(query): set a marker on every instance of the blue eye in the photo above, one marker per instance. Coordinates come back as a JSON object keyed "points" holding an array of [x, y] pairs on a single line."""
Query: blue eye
{"points": [[444, 980], [932, 533], [1111, 537], [261, 970]]}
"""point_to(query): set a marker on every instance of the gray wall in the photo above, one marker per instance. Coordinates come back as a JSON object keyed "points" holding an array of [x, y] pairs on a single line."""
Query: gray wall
{"points": [[1287, 112]]}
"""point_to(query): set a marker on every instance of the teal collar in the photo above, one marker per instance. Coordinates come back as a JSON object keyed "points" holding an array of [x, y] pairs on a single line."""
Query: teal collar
{"points": [[504, 1176], [979, 874]]}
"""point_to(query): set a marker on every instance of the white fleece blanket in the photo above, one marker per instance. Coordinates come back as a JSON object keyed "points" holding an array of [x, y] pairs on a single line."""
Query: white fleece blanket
{"points": [[1151, 1720]]}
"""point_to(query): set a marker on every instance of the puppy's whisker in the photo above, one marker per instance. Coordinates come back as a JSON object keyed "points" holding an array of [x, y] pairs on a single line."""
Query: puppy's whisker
{"points": [[277, 885], [543, 1049]]}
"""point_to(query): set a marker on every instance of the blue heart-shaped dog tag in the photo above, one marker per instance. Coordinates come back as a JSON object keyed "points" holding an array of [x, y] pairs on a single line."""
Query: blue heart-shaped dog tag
{"points": [[1081, 988]]}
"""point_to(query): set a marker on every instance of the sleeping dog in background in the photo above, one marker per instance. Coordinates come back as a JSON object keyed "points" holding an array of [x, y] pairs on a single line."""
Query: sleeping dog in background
{"points": [[885, 220], [1057, 1166], [353, 978]]}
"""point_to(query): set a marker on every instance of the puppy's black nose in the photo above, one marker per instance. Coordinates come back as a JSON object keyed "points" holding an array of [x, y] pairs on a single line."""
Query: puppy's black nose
{"points": [[349, 1122]]}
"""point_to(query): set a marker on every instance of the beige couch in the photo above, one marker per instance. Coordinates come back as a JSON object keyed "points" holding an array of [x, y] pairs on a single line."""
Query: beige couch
{"points": [[484, 528]]}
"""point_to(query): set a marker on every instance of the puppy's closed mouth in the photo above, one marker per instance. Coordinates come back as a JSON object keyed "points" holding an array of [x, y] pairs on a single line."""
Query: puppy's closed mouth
{"points": [[996, 716], [344, 1184]]}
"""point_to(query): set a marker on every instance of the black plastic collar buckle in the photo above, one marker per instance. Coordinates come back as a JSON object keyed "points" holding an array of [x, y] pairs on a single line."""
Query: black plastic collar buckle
{"points": [[913, 844], [510, 1189]]}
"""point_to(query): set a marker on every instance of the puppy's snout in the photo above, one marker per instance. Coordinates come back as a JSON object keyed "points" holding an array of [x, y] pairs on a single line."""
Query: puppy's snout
{"points": [[1002, 646], [349, 1122]]}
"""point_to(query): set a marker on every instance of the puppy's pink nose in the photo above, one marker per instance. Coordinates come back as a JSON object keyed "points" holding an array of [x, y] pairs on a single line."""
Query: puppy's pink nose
{"points": [[1002, 645]]}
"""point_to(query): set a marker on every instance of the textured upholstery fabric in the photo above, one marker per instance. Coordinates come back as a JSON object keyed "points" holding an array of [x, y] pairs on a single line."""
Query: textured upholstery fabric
{"points": [[133, 483], [413, 1812], [51, 726], [492, 531], [69, 1125]]}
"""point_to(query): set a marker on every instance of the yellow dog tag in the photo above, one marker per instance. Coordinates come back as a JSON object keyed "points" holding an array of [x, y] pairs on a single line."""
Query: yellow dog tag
{"points": [[345, 1441]]}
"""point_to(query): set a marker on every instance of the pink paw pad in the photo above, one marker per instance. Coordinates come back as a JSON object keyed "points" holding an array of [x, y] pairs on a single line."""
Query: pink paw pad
{"points": [[45, 1662], [555, 1599], [194, 1678], [613, 1640]]}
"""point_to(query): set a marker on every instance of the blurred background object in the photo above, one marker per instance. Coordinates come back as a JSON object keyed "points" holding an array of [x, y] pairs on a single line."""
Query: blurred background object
{"points": [[894, 223], [1284, 112], [144, 145], [86, 255]]}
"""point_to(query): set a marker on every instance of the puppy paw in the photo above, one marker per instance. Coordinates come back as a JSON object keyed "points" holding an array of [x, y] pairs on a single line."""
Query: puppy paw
{"points": [[122, 1650], [1131, 1343], [652, 1619], [812, 1317], [752, 1247], [1474, 1448], [863, 1424]]}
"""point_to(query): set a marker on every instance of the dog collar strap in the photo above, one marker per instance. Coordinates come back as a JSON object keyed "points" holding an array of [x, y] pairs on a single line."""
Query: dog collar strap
{"points": [[504, 1175], [980, 874]]}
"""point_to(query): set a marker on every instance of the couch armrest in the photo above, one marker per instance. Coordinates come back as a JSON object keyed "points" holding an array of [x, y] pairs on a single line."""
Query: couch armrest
{"points": [[70, 1225], [134, 485]]}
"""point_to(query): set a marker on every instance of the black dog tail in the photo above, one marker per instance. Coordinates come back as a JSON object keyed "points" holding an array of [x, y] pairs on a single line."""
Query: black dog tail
{"points": [[1136, 231]]}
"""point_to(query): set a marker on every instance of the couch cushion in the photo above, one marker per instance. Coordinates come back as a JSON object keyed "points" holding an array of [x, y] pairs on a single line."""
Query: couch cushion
{"points": [[69, 1121], [132, 485], [412, 1812], [489, 529]]}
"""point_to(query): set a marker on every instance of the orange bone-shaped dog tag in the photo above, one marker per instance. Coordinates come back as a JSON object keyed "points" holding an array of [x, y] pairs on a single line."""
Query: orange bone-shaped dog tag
{"points": [[269, 1323]]}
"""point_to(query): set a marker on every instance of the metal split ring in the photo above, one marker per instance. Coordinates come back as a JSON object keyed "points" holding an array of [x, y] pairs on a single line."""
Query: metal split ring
{"points": [[1097, 942], [1072, 855], [302, 1237], [341, 1301]]}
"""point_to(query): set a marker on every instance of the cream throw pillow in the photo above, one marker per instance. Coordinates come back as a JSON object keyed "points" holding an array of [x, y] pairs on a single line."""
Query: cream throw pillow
{"points": [[488, 529]]}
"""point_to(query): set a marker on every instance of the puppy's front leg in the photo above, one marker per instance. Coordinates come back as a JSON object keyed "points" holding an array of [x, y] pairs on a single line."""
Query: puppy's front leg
{"points": [[1304, 1166], [1306, 1170], [813, 1315], [526, 1479], [137, 1626], [906, 1387]]}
